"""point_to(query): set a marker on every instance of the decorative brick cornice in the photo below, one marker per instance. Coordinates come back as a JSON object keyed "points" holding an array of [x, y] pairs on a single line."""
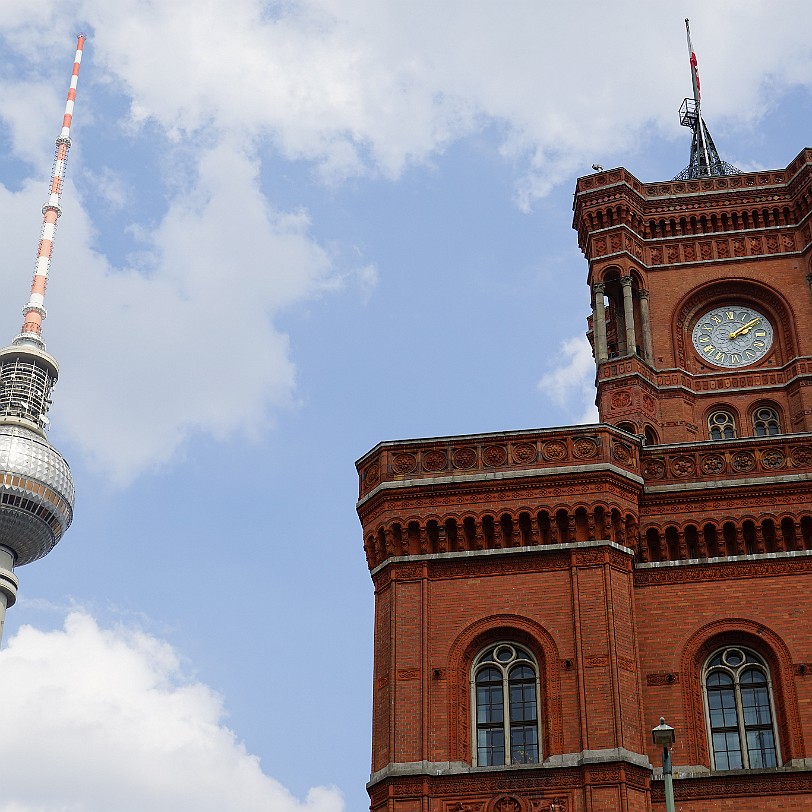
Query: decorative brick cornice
{"points": [[781, 458], [723, 569], [455, 780], [696, 249], [613, 210], [472, 564], [750, 783], [775, 377], [484, 456]]}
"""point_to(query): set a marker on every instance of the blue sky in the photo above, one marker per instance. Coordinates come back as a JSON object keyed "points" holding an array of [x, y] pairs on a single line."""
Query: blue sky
{"points": [[292, 230]]}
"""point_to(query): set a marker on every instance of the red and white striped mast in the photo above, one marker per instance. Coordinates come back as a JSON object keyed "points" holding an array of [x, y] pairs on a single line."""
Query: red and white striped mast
{"points": [[36, 486], [34, 310]]}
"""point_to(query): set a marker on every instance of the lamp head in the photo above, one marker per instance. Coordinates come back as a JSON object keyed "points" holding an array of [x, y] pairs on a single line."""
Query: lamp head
{"points": [[663, 734]]}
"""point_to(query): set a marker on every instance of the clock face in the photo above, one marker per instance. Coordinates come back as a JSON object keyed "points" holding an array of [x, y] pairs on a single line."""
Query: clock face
{"points": [[732, 336]]}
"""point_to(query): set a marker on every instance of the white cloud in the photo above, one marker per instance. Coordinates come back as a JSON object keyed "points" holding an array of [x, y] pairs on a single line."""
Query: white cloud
{"points": [[109, 187], [370, 86], [183, 339], [571, 384], [115, 723], [186, 341]]}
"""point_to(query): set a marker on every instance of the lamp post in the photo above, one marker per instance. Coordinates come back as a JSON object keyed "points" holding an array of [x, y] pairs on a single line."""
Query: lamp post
{"points": [[663, 736]]}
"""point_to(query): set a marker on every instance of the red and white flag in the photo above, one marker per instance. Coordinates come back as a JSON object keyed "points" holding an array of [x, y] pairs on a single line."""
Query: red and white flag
{"points": [[694, 69]]}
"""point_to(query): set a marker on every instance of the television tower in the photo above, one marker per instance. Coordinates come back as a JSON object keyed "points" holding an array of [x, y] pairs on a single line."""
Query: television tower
{"points": [[36, 487]]}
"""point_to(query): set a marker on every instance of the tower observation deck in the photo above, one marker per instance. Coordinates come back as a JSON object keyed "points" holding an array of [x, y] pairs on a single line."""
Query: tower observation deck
{"points": [[36, 487]]}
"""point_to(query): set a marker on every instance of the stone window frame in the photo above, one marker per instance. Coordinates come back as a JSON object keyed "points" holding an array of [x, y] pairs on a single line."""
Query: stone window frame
{"points": [[527, 633], [755, 636], [519, 655], [759, 416], [722, 420], [750, 660]]}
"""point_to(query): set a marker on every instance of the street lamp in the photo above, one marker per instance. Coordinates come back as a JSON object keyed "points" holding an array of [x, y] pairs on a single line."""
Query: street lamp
{"points": [[663, 736]]}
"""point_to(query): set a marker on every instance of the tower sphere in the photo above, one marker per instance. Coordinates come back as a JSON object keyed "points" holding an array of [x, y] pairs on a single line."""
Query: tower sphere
{"points": [[36, 494]]}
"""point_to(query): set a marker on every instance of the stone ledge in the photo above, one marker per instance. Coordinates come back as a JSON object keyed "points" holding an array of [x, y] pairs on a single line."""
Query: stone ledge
{"points": [[525, 550], [797, 765], [563, 760], [722, 559]]}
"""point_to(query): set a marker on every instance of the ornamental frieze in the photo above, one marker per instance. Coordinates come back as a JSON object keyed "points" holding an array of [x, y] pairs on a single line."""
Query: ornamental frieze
{"points": [[771, 456], [484, 454], [457, 500], [434, 461], [697, 504], [470, 569], [404, 463], [780, 785], [464, 458], [716, 184], [509, 803], [731, 571], [527, 783], [524, 453], [659, 680], [697, 249]]}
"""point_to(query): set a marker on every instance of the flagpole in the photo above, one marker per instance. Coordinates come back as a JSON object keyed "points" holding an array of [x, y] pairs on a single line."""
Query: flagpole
{"points": [[695, 83]]}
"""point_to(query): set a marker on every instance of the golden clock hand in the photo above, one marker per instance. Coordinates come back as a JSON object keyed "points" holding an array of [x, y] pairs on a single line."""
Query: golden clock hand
{"points": [[745, 328]]}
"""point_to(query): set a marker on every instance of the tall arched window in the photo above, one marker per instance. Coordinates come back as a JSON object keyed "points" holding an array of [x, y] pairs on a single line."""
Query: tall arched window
{"points": [[721, 425], [505, 689], [739, 703], [765, 422]]}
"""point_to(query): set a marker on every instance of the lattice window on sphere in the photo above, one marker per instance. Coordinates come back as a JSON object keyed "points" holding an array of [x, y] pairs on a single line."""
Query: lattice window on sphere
{"points": [[505, 702], [721, 425], [766, 422], [740, 710]]}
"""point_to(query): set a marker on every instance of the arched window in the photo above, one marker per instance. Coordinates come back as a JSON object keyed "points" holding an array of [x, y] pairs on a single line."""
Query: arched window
{"points": [[721, 425], [505, 688], [739, 703], [766, 422]]}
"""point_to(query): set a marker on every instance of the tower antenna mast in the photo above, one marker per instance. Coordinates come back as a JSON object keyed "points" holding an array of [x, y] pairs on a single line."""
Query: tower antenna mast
{"points": [[705, 160], [34, 310], [36, 486]]}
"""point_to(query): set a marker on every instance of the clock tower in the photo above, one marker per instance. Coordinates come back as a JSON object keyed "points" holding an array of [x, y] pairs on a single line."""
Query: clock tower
{"points": [[700, 294], [701, 301]]}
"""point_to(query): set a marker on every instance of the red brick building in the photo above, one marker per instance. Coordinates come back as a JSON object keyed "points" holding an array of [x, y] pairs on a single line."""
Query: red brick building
{"points": [[544, 596]]}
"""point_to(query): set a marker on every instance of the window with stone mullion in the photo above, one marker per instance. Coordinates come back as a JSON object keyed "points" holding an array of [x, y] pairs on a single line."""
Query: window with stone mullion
{"points": [[721, 425], [766, 422], [505, 688], [740, 714]]}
